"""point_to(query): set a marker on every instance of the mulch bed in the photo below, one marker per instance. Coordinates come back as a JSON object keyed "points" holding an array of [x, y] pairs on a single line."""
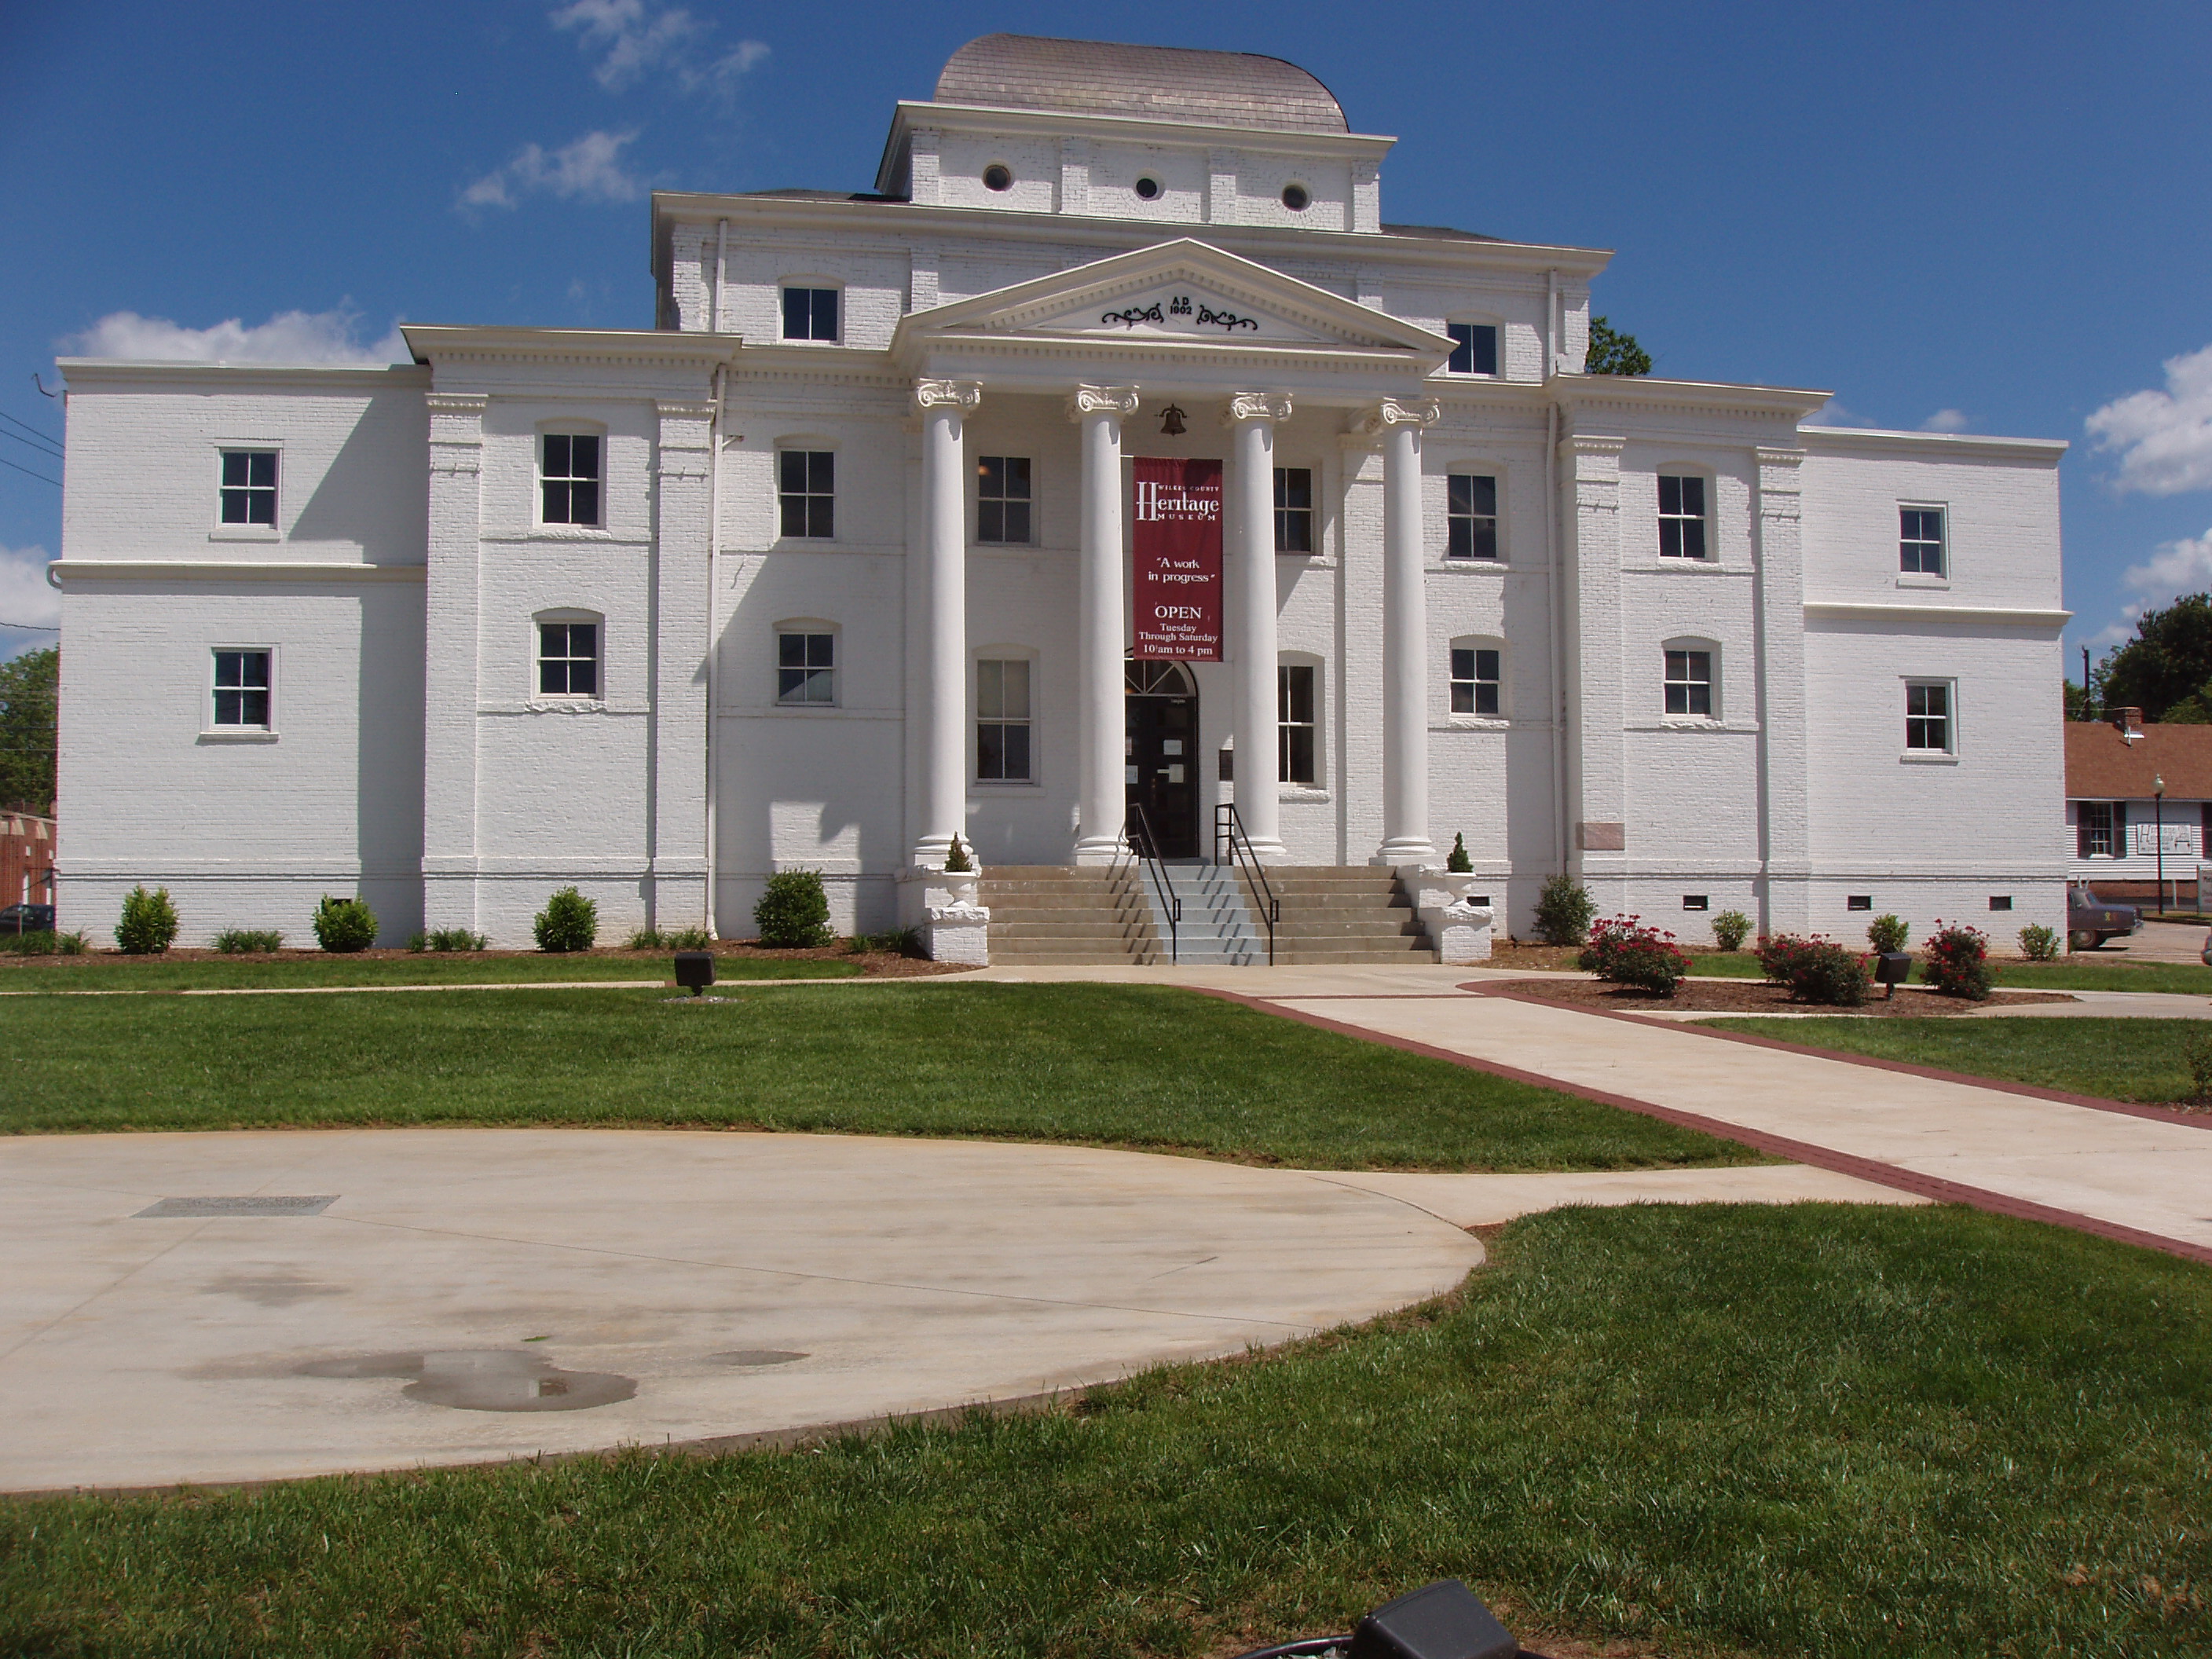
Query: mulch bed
{"points": [[1751, 996], [621, 964]]}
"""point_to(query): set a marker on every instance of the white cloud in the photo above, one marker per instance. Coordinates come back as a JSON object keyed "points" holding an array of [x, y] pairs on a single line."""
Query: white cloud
{"points": [[2164, 438], [1946, 420], [634, 41], [589, 169], [290, 336], [1831, 413], [2172, 569], [26, 598]]}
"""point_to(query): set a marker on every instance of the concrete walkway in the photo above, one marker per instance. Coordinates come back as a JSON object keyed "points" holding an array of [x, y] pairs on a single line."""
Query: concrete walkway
{"points": [[409, 1297]]}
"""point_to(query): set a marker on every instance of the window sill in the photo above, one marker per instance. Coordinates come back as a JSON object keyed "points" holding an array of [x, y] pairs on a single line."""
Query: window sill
{"points": [[782, 707], [1477, 723], [570, 533], [1928, 757], [1004, 783], [1303, 794], [246, 533], [1921, 578], [238, 734], [1447, 562], [565, 705]]}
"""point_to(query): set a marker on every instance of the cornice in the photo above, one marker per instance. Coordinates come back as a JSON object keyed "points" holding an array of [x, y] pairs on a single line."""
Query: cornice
{"points": [[219, 570], [1638, 394], [1930, 446], [84, 373], [446, 343], [1988, 616]]}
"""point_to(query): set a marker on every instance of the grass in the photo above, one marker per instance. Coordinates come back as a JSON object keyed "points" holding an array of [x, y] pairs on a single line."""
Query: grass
{"points": [[2069, 973], [1812, 1430], [1129, 1066], [2144, 1060], [117, 973]]}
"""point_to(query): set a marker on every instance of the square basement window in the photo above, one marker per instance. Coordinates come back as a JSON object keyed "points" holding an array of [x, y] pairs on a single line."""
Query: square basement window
{"points": [[1858, 901], [1693, 900], [2001, 900]]}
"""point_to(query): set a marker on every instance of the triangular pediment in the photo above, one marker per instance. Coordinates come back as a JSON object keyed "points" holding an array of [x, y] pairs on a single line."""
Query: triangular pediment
{"points": [[1181, 293]]}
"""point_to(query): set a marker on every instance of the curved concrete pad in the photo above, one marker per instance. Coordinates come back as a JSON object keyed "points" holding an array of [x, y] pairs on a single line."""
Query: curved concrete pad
{"points": [[476, 1294]]}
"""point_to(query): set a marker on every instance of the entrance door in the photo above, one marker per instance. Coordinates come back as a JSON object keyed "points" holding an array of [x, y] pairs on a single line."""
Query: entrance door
{"points": [[1160, 755]]}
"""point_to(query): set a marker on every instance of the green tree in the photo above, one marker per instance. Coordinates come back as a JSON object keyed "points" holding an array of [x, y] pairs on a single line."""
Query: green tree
{"points": [[1612, 352], [2165, 670], [29, 697]]}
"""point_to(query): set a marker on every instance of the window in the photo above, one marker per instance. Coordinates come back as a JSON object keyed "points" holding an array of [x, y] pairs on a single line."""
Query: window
{"points": [[1683, 517], [1295, 726], [1927, 717], [2100, 830], [997, 176], [1470, 516], [806, 488], [810, 313], [1002, 498], [1920, 540], [1474, 680], [1858, 901], [570, 486], [567, 659], [1690, 683], [806, 668], [1002, 720], [1148, 188], [1694, 901], [1475, 349], [2001, 900], [1294, 509], [242, 689], [249, 487], [1297, 198]]}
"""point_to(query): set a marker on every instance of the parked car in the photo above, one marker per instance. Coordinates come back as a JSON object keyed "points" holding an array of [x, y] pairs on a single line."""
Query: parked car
{"points": [[27, 919], [2090, 921]]}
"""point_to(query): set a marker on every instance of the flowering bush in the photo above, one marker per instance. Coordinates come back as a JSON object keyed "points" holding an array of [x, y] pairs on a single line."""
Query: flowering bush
{"points": [[1623, 951], [1814, 970], [1956, 961]]}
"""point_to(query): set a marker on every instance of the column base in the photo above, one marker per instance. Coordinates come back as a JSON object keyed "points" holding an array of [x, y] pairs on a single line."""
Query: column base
{"points": [[931, 852], [1407, 851], [1268, 851], [1098, 850]]}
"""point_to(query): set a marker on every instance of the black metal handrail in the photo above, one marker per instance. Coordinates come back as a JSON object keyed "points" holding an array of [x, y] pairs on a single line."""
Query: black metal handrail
{"points": [[1228, 827], [1146, 847]]}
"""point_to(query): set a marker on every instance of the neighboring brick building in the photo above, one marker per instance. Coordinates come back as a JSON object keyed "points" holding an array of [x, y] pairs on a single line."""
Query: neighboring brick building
{"points": [[2115, 818], [26, 858]]}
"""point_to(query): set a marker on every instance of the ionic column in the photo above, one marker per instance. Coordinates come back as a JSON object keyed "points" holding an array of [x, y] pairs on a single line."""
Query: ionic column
{"points": [[1251, 415], [1404, 635], [1102, 627], [944, 804]]}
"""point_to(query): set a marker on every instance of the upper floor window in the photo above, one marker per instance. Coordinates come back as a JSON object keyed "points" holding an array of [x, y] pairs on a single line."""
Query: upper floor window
{"points": [[1920, 540], [569, 477], [1296, 728], [1690, 683], [1928, 716], [1002, 720], [806, 668], [567, 659], [249, 487], [1294, 509], [1471, 516], [1682, 516], [1002, 498], [810, 313], [807, 490], [1475, 349], [1475, 680], [242, 689]]}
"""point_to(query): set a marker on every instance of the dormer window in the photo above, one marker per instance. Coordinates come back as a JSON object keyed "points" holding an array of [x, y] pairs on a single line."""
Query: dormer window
{"points": [[1475, 349], [810, 313]]}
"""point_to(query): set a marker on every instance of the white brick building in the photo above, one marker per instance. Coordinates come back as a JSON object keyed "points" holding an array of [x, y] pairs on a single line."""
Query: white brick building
{"points": [[831, 566]]}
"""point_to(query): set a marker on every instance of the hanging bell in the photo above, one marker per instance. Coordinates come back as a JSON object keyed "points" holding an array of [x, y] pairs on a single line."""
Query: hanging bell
{"points": [[1171, 422]]}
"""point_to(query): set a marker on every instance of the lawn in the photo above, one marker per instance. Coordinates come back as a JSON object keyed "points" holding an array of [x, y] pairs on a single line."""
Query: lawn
{"points": [[2067, 974], [204, 973], [1811, 1431], [1126, 1065], [2137, 1059]]}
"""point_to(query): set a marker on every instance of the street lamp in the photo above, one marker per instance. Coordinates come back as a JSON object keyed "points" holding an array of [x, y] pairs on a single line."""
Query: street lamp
{"points": [[2158, 831]]}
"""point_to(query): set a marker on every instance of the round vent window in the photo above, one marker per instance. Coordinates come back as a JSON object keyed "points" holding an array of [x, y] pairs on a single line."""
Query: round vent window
{"points": [[1148, 189], [1296, 198], [997, 176]]}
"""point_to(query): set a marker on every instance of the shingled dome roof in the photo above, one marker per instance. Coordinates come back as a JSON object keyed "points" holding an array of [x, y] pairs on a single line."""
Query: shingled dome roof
{"points": [[1156, 83]]}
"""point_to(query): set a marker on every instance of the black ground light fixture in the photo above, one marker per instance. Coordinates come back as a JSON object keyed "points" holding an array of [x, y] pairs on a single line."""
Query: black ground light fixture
{"points": [[1893, 968], [695, 970], [1443, 1620]]}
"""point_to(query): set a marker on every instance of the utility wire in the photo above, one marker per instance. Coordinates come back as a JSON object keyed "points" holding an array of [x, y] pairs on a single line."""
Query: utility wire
{"points": [[36, 449], [51, 442], [27, 473], [31, 628]]}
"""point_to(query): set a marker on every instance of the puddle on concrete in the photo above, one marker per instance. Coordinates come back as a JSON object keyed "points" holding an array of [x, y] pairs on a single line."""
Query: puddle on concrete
{"points": [[484, 1380], [755, 1357]]}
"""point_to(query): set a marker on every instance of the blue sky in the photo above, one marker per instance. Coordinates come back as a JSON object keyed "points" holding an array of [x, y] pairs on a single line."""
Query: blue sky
{"points": [[1992, 218]]}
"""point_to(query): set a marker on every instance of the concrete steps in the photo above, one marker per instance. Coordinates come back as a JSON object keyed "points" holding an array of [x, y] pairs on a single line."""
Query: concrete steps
{"points": [[1068, 917], [1344, 913]]}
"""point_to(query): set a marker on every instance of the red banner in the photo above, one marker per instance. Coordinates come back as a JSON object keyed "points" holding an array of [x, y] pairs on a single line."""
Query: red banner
{"points": [[1176, 536]]}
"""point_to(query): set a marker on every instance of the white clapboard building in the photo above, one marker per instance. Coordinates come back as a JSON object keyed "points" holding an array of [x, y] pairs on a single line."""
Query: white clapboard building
{"points": [[843, 559]]}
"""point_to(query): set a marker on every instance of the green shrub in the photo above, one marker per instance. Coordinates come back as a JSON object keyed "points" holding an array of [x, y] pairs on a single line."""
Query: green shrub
{"points": [[900, 942], [447, 939], [1457, 862], [148, 923], [44, 944], [2038, 943], [793, 912], [344, 925], [684, 939], [249, 941], [1816, 970], [1623, 951], [956, 860], [1887, 934], [1956, 962], [1730, 929], [1563, 910], [569, 921]]}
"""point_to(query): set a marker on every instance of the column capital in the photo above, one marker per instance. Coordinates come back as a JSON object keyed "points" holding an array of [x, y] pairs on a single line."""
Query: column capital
{"points": [[963, 395], [1102, 400], [1415, 413], [1256, 406]]}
